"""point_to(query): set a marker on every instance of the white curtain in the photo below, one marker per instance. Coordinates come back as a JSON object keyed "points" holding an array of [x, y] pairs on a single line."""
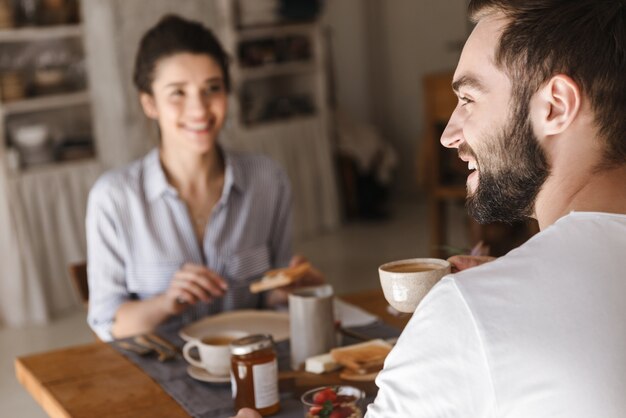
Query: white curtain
{"points": [[303, 149], [42, 216]]}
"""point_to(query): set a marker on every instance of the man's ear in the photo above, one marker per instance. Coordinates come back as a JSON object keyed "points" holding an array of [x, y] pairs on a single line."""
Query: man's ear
{"points": [[149, 106], [556, 105]]}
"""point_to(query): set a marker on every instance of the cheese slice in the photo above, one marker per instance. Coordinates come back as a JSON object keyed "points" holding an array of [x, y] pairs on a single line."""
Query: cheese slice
{"points": [[322, 363]]}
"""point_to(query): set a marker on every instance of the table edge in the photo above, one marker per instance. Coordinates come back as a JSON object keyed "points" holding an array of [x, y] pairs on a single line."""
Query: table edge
{"points": [[40, 394]]}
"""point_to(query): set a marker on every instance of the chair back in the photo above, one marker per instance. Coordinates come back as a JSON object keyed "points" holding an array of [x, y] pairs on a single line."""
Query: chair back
{"points": [[78, 273]]}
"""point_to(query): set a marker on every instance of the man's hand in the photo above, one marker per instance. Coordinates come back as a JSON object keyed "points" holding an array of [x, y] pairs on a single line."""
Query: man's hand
{"points": [[477, 256], [464, 262], [247, 413]]}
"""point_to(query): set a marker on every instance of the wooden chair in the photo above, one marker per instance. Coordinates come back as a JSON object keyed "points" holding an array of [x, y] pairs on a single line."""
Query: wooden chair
{"points": [[78, 273], [437, 169]]}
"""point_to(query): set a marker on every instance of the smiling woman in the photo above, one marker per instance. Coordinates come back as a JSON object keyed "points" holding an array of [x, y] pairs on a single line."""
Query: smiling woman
{"points": [[180, 233], [188, 101]]}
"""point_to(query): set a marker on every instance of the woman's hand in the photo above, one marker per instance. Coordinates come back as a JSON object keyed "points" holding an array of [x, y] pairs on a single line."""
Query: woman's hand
{"points": [[247, 413], [191, 284], [312, 277]]}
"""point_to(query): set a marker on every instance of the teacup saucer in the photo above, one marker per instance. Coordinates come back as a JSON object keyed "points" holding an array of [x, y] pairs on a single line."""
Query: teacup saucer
{"points": [[204, 376]]}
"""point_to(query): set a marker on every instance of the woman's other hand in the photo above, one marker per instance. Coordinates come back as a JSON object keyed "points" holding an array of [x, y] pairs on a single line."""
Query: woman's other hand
{"points": [[312, 276], [191, 284]]}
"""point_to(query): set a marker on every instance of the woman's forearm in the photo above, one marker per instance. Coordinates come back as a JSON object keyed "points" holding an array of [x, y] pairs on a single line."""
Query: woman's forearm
{"points": [[140, 316]]}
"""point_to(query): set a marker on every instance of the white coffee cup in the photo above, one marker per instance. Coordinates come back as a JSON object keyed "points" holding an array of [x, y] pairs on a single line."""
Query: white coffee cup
{"points": [[406, 282], [214, 351]]}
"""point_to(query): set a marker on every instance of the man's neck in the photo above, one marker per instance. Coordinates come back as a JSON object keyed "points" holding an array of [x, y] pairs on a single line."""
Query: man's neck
{"points": [[603, 191]]}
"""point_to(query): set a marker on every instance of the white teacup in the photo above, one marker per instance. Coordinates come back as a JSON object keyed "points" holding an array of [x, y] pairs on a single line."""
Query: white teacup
{"points": [[214, 351], [406, 282]]}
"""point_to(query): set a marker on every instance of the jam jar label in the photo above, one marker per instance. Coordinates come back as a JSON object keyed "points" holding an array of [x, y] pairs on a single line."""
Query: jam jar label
{"points": [[265, 378]]}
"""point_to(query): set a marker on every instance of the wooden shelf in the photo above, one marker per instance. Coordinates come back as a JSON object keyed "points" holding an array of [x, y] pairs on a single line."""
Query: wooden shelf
{"points": [[42, 33], [36, 104], [254, 33], [54, 167], [281, 123], [275, 70]]}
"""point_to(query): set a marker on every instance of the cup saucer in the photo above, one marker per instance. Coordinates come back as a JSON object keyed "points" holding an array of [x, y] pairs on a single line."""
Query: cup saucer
{"points": [[204, 376]]}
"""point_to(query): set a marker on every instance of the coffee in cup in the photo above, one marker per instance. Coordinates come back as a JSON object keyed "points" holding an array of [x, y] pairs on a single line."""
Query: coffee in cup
{"points": [[213, 351], [406, 282], [218, 340]]}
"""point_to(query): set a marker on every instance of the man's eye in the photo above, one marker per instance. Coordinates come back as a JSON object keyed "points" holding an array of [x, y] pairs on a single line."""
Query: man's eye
{"points": [[464, 100], [177, 93]]}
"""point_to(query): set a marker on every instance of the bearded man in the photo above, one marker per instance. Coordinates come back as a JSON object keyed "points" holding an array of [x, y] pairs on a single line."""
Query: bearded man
{"points": [[541, 122]]}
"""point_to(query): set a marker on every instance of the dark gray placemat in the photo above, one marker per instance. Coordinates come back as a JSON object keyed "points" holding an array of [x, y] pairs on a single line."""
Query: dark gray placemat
{"points": [[209, 400]]}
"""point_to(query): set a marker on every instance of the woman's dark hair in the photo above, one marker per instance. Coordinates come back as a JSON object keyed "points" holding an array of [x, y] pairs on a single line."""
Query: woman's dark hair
{"points": [[584, 39], [174, 35]]}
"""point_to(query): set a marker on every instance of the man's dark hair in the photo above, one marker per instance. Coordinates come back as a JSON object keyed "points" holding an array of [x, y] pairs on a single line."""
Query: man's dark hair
{"points": [[584, 39], [174, 35]]}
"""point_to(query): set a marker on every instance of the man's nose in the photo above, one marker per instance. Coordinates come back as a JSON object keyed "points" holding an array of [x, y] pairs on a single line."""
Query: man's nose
{"points": [[452, 136]]}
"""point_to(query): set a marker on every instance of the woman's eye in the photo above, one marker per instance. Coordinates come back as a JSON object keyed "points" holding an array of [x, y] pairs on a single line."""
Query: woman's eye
{"points": [[177, 93], [214, 88]]}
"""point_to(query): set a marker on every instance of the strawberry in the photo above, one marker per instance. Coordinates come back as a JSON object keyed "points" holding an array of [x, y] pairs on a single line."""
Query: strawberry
{"points": [[324, 395], [326, 410], [315, 410]]}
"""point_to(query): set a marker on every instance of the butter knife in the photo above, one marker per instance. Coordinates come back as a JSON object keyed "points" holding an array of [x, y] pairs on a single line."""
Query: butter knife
{"points": [[163, 355], [157, 339]]}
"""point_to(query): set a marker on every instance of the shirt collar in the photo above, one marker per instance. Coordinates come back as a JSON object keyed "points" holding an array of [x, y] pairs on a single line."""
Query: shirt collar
{"points": [[233, 175], [155, 182]]}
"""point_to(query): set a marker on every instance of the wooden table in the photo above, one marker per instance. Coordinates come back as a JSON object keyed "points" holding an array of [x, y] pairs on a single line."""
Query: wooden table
{"points": [[94, 380]]}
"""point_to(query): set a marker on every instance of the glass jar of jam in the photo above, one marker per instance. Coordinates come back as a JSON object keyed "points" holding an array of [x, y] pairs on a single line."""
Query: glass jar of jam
{"points": [[254, 375]]}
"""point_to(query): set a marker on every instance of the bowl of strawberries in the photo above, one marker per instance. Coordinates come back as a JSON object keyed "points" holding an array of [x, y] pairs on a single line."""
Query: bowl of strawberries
{"points": [[333, 402]]}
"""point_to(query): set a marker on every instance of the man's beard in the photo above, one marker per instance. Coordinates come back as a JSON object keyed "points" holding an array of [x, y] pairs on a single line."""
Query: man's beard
{"points": [[511, 173]]}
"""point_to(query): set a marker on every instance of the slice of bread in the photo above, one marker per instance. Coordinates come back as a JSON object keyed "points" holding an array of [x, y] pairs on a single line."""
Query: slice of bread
{"points": [[362, 358], [348, 374], [274, 279]]}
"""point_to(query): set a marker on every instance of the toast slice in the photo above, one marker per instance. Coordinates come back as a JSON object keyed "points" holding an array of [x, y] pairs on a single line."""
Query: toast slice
{"points": [[274, 279], [362, 358]]}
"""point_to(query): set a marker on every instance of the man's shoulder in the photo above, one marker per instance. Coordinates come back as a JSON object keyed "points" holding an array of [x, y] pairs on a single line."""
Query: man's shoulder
{"points": [[574, 234], [558, 260]]}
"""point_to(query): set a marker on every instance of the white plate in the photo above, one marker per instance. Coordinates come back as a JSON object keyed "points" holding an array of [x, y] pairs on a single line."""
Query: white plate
{"points": [[201, 374], [254, 322]]}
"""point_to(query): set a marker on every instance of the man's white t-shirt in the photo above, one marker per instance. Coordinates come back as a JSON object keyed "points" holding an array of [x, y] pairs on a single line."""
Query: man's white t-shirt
{"points": [[540, 332]]}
